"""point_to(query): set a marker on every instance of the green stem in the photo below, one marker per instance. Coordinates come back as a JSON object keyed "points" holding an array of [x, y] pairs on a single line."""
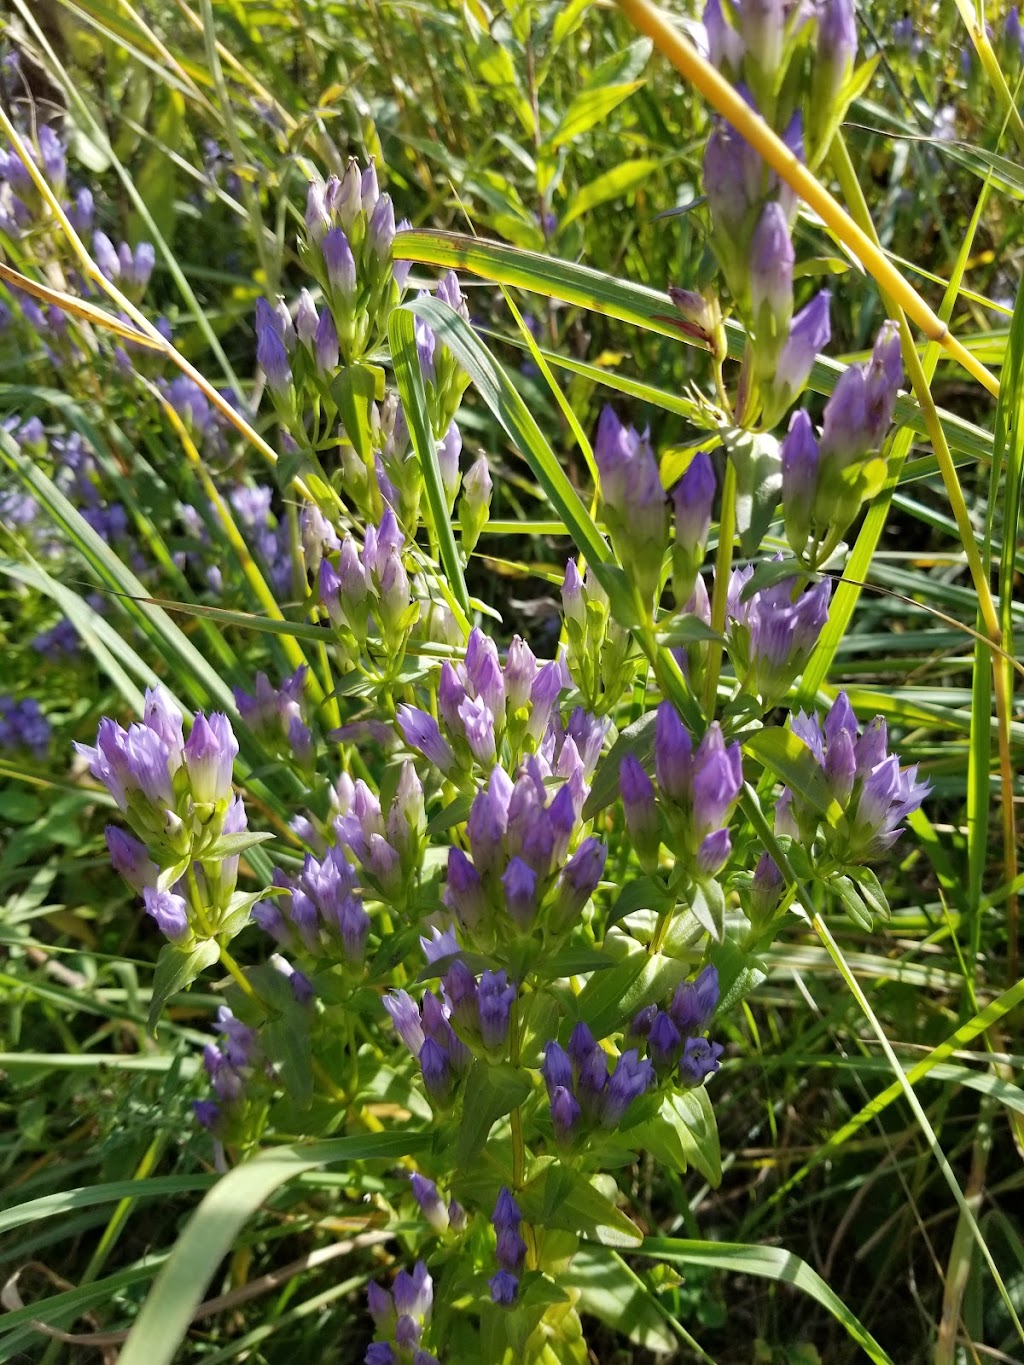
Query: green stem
{"points": [[719, 596]]}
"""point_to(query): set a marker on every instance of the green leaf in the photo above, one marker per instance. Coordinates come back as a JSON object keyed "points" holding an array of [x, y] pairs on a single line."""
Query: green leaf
{"points": [[588, 108], [610, 999], [568, 1199], [788, 757], [286, 1041], [758, 466], [683, 1133], [642, 893], [739, 973], [354, 390], [871, 891], [491, 1091], [209, 1234], [853, 902], [177, 967], [707, 901], [230, 845], [768, 1263], [610, 1292]]}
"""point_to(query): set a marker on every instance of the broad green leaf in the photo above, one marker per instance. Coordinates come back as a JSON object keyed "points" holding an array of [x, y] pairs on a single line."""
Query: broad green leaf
{"points": [[492, 1090], [569, 1199], [788, 757], [587, 109], [176, 968]]}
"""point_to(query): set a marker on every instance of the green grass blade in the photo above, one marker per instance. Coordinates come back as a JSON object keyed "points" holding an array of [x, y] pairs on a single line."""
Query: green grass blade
{"points": [[210, 1232]]}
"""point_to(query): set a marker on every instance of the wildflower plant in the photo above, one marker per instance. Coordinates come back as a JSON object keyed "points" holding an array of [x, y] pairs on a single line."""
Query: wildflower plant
{"points": [[481, 903]]}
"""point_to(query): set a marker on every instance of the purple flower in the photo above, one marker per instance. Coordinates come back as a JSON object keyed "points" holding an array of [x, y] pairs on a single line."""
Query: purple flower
{"points": [[325, 344], [633, 497], [209, 758], [431, 1204], [381, 230], [630, 1079], [809, 333], [699, 1060], [340, 264], [556, 1068], [837, 48], [406, 1019], [271, 354], [799, 479], [694, 1002], [673, 754], [169, 911], [130, 859], [504, 1288], [495, 1000], [692, 498], [421, 731], [565, 1114], [464, 894], [771, 274], [766, 888], [520, 885]]}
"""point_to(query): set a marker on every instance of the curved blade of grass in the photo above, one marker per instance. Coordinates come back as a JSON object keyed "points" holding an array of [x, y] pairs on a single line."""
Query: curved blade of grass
{"points": [[766, 1263], [635, 304], [195, 673], [68, 1200], [504, 401], [210, 1232], [409, 378]]}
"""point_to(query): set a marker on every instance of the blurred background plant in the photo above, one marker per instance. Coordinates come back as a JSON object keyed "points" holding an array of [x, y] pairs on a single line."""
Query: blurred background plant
{"points": [[157, 534]]}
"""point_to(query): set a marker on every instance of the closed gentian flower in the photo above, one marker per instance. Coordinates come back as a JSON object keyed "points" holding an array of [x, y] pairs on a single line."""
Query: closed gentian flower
{"points": [[809, 333], [169, 911], [271, 355], [381, 230], [431, 1204], [699, 1060], [504, 1288], [436, 1071], [464, 893], [325, 344], [556, 1068], [495, 999], [766, 888], [475, 505], [634, 500], [406, 1019], [565, 1114], [421, 731], [694, 1002], [799, 454], [520, 885], [130, 859], [725, 45], [209, 758], [638, 802], [340, 264], [520, 672], [106, 257], [771, 276], [692, 499], [836, 50], [630, 1079], [673, 754]]}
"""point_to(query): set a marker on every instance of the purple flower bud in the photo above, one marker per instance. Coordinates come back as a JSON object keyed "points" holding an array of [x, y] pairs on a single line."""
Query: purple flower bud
{"points": [[488, 821], [82, 213], [169, 911], [504, 1288], [547, 686], [573, 603], [483, 671], [799, 478], [430, 1202], [579, 880], [406, 1019], [642, 1023], [448, 451], [106, 257], [130, 859], [631, 1077], [148, 761], [450, 696], [478, 724], [208, 1113], [449, 291], [717, 780], [495, 999], [369, 191], [474, 509], [771, 273], [692, 498], [340, 263], [506, 1211], [520, 672], [884, 377], [673, 754], [581, 1045], [51, 153], [379, 1353], [633, 496], [317, 218], [641, 812], [457, 1217], [306, 319], [663, 1042], [556, 1068], [520, 883], [837, 48], [725, 46], [713, 853], [766, 888], [733, 179], [325, 344], [271, 355], [699, 1060], [510, 1252], [209, 758], [464, 894], [809, 333], [421, 731], [437, 1076], [565, 1114], [381, 232], [694, 1002]]}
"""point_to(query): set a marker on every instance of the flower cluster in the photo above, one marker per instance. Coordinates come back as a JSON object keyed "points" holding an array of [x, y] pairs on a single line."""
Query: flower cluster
{"points": [[874, 793], [428, 1034], [276, 714], [697, 790], [771, 633], [177, 797], [230, 1066], [582, 1092], [598, 651], [673, 1038], [401, 1316], [826, 479], [368, 594], [319, 914], [23, 725], [510, 1251], [481, 704]]}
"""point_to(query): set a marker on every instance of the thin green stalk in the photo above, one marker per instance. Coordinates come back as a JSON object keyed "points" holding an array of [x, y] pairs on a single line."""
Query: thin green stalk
{"points": [[720, 591]]}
